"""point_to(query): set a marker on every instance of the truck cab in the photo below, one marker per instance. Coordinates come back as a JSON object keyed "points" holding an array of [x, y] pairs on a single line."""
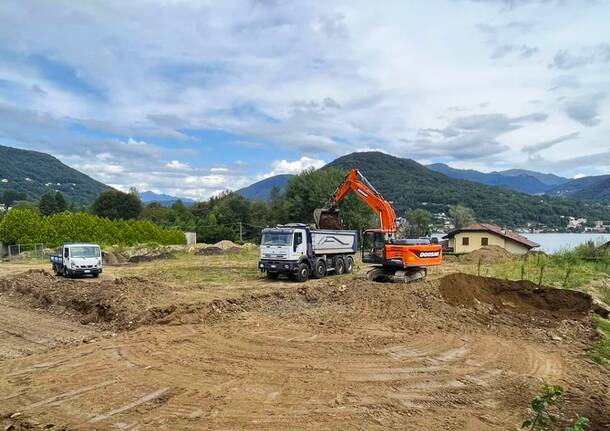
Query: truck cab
{"points": [[282, 248], [78, 259]]}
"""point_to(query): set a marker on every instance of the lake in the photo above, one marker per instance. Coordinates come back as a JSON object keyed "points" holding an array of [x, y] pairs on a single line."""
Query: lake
{"points": [[554, 242]]}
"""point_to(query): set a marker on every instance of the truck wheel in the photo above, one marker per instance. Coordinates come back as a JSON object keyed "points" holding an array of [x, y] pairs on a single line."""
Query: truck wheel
{"points": [[349, 265], [302, 273], [339, 266], [273, 275], [319, 269], [96, 274]]}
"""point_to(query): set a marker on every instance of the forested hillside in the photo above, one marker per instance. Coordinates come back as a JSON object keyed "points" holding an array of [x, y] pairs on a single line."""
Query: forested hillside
{"points": [[519, 180], [597, 187], [411, 185], [262, 189], [36, 173]]}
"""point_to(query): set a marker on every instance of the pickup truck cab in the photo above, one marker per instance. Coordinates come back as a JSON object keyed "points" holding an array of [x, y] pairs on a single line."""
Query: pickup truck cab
{"points": [[78, 259]]}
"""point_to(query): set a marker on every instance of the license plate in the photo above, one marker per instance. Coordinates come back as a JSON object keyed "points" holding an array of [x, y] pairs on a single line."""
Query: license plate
{"points": [[86, 271], [273, 266]]}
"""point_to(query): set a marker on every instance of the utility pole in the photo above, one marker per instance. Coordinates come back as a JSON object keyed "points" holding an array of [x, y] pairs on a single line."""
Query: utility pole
{"points": [[241, 233]]}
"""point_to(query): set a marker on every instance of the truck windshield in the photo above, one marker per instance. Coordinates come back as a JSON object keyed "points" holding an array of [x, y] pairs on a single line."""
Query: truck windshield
{"points": [[85, 251], [276, 238]]}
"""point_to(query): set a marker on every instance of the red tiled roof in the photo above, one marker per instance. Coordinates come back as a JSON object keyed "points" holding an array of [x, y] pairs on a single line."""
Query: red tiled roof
{"points": [[486, 227]]}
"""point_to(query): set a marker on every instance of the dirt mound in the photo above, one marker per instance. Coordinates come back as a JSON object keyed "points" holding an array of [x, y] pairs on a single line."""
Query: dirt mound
{"points": [[490, 254], [118, 304], [111, 258], [523, 297], [214, 250], [226, 244], [209, 251]]}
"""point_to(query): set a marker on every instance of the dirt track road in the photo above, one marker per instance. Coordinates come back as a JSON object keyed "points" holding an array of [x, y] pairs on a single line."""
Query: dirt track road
{"points": [[24, 332], [327, 355]]}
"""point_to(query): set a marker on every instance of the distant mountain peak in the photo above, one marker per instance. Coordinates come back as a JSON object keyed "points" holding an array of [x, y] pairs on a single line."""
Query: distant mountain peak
{"points": [[262, 189], [150, 197]]}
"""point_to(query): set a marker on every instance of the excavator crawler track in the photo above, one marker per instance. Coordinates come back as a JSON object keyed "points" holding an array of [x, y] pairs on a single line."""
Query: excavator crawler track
{"points": [[391, 275]]}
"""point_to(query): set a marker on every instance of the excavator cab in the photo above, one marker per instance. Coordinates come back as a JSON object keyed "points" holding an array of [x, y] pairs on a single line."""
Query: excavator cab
{"points": [[373, 246]]}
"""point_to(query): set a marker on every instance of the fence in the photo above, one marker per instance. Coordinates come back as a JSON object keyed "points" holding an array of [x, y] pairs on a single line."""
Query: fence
{"points": [[25, 252]]}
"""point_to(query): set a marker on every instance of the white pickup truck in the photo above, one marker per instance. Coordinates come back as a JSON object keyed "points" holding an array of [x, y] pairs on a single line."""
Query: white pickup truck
{"points": [[302, 252], [78, 259]]}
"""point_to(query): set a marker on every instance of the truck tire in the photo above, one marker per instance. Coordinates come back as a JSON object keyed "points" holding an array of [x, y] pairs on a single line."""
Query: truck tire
{"points": [[319, 269], [96, 274], [339, 266], [302, 273], [349, 265]]}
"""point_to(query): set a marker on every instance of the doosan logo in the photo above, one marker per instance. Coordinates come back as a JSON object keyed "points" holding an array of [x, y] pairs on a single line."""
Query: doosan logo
{"points": [[429, 254]]}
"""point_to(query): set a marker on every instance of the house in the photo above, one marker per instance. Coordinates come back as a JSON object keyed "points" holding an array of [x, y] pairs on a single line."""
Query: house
{"points": [[475, 236]]}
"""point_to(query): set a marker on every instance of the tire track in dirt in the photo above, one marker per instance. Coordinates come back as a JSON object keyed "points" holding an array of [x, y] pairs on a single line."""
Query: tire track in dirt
{"points": [[24, 332]]}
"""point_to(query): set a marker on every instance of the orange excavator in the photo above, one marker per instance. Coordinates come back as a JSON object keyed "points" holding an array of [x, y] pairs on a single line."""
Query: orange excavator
{"points": [[395, 259]]}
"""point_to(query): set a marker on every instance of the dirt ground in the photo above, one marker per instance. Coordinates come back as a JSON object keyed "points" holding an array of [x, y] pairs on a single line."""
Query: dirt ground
{"points": [[169, 346]]}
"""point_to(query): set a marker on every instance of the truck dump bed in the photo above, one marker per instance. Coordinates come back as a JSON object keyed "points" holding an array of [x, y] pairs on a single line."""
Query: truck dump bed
{"points": [[324, 241]]}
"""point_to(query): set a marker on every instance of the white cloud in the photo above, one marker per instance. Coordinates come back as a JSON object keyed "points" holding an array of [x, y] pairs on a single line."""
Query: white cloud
{"points": [[175, 164], [311, 80], [293, 167], [577, 176]]}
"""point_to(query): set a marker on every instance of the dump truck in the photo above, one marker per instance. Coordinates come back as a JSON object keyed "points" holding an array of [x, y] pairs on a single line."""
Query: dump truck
{"points": [[78, 259], [300, 251]]}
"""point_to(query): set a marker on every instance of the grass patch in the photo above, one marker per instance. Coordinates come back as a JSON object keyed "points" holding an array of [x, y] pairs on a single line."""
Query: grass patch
{"points": [[564, 270], [600, 353], [188, 269]]}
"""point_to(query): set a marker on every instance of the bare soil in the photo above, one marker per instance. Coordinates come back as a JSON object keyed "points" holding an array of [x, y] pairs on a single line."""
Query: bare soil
{"points": [[463, 352]]}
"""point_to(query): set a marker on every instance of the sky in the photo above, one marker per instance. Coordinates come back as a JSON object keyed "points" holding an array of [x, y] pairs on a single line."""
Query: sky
{"points": [[190, 98]]}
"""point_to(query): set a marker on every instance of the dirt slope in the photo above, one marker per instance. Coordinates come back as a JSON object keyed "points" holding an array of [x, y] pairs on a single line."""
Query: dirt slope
{"points": [[334, 354]]}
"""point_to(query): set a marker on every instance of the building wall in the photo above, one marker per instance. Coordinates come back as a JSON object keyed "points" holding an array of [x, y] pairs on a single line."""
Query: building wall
{"points": [[475, 242], [516, 247]]}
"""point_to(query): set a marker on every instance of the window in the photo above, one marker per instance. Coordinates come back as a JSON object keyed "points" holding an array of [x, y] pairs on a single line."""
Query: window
{"points": [[85, 251], [298, 240], [276, 238], [484, 241], [465, 240]]}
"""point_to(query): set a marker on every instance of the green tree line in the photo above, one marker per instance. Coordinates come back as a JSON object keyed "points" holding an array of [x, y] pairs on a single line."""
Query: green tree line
{"points": [[24, 226]]}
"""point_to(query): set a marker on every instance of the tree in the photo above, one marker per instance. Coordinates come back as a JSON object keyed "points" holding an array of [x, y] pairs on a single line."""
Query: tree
{"points": [[48, 204], [114, 205], [419, 222], [461, 216], [10, 196], [52, 203], [61, 202]]}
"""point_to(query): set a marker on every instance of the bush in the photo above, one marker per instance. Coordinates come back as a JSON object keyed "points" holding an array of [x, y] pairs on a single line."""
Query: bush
{"points": [[24, 226]]}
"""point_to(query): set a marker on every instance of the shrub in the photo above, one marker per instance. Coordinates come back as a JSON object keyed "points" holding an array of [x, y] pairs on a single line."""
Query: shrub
{"points": [[23, 226]]}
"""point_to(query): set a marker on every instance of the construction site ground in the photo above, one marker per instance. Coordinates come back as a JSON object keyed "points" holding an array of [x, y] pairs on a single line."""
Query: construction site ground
{"points": [[201, 342]]}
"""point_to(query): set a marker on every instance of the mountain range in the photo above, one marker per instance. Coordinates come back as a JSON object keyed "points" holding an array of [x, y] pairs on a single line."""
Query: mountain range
{"points": [[411, 185], [35, 173], [503, 196], [521, 180], [163, 199]]}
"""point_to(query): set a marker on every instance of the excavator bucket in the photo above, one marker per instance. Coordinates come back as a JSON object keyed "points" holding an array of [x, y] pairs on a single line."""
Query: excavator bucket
{"points": [[327, 218]]}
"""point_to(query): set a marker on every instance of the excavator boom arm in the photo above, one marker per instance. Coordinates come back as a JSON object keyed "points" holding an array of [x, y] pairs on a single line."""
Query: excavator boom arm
{"points": [[357, 183]]}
